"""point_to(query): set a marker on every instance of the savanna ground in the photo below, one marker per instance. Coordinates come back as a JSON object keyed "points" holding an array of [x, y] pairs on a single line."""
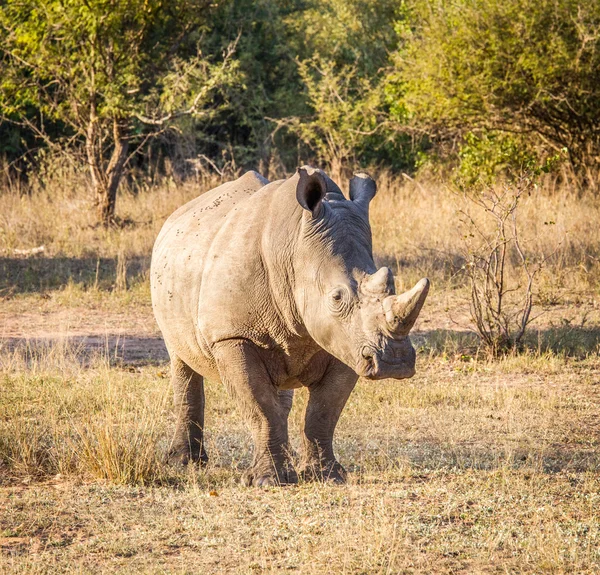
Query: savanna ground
{"points": [[476, 465]]}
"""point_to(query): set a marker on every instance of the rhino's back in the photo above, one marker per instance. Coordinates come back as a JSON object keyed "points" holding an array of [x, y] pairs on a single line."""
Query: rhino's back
{"points": [[209, 208], [178, 261]]}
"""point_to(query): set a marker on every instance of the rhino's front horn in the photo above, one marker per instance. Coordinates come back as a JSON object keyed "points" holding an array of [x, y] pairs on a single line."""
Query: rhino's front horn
{"points": [[402, 311]]}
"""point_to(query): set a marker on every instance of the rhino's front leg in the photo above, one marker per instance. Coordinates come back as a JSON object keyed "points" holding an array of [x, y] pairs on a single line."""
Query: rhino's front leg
{"points": [[327, 398], [243, 371]]}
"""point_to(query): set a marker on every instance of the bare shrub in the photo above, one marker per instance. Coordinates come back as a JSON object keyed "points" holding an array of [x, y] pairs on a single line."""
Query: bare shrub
{"points": [[501, 271]]}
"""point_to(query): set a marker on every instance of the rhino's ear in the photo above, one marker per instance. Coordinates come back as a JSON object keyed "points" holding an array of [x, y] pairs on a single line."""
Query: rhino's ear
{"points": [[362, 189], [311, 190]]}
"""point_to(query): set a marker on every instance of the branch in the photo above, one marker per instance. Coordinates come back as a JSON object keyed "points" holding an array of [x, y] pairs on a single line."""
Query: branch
{"points": [[27, 123], [143, 143], [193, 109]]}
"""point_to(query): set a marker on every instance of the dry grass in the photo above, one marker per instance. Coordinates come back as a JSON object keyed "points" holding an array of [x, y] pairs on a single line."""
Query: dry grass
{"points": [[417, 227], [441, 522], [473, 466], [480, 467], [416, 231]]}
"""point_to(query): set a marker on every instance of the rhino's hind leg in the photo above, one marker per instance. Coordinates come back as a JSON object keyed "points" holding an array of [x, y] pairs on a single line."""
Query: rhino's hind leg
{"points": [[327, 398], [188, 391], [243, 372]]}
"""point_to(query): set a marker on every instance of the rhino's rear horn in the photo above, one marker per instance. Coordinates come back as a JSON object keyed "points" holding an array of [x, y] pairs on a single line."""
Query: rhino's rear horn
{"points": [[311, 189], [379, 282], [402, 311], [362, 189]]}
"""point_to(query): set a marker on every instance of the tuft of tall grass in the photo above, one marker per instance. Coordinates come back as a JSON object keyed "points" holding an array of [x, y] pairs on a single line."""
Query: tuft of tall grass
{"points": [[120, 447], [62, 414]]}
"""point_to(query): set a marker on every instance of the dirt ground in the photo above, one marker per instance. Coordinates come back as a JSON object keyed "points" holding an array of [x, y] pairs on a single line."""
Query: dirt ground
{"points": [[129, 333]]}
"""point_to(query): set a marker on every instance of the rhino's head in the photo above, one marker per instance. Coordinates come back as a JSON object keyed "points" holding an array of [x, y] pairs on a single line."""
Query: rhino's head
{"points": [[348, 306]]}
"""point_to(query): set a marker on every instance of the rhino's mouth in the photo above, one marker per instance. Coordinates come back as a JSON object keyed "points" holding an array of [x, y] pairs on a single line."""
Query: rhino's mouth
{"points": [[376, 364]]}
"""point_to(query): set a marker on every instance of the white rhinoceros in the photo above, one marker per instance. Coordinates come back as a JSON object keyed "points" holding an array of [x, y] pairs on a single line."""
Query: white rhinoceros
{"points": [[270, 287]]}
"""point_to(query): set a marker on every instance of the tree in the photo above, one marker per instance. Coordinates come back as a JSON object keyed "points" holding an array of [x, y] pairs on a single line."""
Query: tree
{"points": [[242, 133], [112, 73], [342, 49], [519, 67], [345, 111]]}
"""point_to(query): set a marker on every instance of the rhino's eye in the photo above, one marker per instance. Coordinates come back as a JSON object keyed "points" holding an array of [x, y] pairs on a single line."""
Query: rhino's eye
{"points": [[339, 300]]}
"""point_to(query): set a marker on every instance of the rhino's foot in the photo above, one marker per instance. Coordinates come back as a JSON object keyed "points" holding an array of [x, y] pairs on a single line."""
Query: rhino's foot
{"points": [[186, 456], [329, 472], [258, 476]]}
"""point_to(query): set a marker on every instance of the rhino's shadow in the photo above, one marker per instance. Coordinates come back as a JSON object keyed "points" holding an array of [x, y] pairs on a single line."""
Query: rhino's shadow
{"points": [[427, 455], [116, 349], [39, 273]]}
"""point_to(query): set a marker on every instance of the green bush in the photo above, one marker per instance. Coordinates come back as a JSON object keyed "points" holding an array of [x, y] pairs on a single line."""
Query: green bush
{"points": [[485, 157], [530, 69]]}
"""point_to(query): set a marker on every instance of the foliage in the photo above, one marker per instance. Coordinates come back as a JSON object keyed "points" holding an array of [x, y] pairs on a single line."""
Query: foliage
{"points": [[344, 112], [491, 86], [241, 134], [348, 32], [482, 158], [522, 67], [343, 50]]}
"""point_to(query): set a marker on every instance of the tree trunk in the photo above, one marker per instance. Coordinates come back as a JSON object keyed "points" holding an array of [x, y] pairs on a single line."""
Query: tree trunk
{"points": [[106, 194], [105, 182]]}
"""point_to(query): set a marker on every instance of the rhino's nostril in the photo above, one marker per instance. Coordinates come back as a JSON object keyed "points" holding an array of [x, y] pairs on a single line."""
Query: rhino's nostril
{"points": [[367, 353]]}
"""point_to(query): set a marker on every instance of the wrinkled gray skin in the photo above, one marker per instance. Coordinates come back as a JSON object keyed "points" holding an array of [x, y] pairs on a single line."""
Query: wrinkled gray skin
{"points": [[270, 287]]}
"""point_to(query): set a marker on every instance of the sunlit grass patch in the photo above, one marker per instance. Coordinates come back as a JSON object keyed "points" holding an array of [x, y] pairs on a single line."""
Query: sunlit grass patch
{"points": [[475, 465]]}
